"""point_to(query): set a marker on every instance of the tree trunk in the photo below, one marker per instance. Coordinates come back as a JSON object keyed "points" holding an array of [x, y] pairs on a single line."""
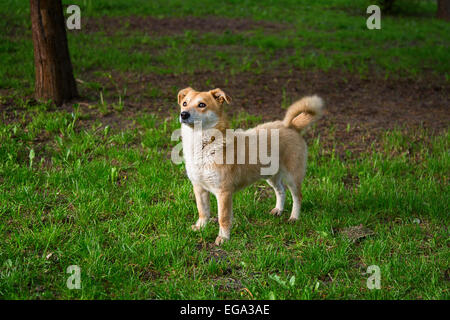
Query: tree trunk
{"points": [[443, 11], [54, 74]]}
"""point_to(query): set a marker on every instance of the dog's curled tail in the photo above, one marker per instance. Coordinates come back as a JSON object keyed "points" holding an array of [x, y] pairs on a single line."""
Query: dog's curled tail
{"points": [[302, 113]]}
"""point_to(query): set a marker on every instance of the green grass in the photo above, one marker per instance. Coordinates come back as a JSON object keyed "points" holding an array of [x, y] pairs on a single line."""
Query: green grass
{"points": [[406, 45], [77, 191], [114, 204]]}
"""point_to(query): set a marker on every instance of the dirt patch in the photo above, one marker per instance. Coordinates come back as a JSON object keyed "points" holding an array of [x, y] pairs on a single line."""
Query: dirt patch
{"points": [[171, 26], [349, 99]]}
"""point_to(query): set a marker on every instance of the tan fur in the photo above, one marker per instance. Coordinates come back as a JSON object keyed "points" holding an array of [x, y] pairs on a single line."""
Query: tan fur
{"points": [[224, 179], [304, 112]]}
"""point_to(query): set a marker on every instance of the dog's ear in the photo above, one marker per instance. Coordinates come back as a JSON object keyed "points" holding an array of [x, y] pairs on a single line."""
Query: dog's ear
{"points": [[183, 93], [220, 96]]}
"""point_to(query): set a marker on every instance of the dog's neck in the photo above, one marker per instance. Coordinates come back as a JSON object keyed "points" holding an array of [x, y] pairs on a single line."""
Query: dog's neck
{"points": [[222, 125], [198, 141]]}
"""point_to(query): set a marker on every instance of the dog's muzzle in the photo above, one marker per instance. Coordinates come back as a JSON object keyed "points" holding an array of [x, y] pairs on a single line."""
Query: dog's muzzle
{"points": [[184, 116]]}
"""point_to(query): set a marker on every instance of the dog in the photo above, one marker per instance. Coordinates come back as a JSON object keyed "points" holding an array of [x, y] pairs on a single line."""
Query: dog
{"points": [[207, 158]]}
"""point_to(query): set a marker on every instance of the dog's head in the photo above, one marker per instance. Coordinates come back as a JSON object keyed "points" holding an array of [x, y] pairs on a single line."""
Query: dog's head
{"points": [[204, 107]]}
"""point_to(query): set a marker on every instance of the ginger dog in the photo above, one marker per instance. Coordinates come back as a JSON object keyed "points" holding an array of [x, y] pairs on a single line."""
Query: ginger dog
{"points": [[220, 163]]}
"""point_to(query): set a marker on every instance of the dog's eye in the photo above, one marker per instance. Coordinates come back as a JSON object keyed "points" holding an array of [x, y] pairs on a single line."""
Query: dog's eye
{"points": [[184, 104], [201, 105]]}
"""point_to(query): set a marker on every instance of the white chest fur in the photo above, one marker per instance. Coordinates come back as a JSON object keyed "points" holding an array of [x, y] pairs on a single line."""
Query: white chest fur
{"points": [[199, 158]]}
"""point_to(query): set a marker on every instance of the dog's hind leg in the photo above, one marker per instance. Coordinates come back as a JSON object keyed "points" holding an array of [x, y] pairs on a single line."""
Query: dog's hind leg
{"points": [[203, 206], [280, 192], [295, 187]]}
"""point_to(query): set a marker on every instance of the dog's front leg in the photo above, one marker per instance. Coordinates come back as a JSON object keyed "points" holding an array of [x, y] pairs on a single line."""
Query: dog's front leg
{"points": [[203, 206], [225, 208]]}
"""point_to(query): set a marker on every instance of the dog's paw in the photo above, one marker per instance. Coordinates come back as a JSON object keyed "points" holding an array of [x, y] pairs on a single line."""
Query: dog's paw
{"points": [[276, 212], [199, 225], [220, 240], [292, 220]]}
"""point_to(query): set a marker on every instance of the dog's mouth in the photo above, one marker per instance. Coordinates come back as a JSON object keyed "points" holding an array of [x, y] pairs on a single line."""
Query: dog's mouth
{"points": [[188, 121]]}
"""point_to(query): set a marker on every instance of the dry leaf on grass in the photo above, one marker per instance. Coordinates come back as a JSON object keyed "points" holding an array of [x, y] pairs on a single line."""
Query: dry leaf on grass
{"points": [[356, 233]]}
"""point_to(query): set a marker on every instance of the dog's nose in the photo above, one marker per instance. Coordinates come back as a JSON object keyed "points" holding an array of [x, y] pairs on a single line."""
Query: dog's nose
{"points": [[184, 115]]}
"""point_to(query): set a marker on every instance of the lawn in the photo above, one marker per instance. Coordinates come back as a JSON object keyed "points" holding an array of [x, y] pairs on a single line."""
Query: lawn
{"points": [[92, 184]]}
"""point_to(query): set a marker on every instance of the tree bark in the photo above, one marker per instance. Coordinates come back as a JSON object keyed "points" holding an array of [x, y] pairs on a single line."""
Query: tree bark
{"points": [[443, 11], [54, 74]]}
